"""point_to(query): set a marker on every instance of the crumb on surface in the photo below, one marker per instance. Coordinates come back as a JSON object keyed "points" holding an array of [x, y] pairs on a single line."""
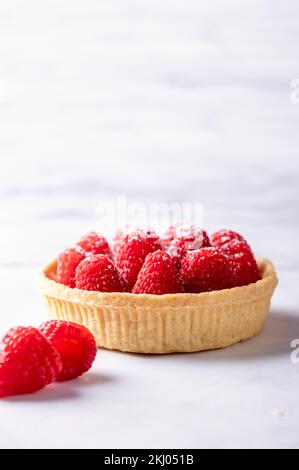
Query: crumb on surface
{"points": [[278, 413]]}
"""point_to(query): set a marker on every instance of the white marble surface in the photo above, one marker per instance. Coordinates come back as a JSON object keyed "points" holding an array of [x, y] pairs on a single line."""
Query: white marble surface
{"points": [[161, 101]]}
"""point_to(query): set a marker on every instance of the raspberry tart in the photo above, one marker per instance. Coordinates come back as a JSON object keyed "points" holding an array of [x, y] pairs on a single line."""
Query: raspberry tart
{"points": [[183, 292]]}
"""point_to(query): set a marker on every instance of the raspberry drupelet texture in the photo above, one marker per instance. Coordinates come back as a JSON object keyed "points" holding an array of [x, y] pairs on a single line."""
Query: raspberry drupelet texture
{"points": [[28, 362], [169, 236], [222, 238], [177, 250], [205, 270], [223, 261], [136, 246], [67, 264], [194, 237], [242, 263], [98, 273], [95, 243], [158, 275], [118, 242], [188, 241], [75, 344]]}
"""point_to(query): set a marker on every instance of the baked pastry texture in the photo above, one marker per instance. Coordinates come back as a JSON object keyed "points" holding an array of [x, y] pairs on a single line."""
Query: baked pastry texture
{"points": [[159, 324]]}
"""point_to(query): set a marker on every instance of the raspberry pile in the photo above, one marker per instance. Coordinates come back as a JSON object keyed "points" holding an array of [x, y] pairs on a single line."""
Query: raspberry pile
{"points": [[32, 358], [184, 259]]}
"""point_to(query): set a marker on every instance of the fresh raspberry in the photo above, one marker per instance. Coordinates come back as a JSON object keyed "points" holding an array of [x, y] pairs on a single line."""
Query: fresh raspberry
{"points": [[28, 362], [202, 234], [118, 242], [169, 236], [136, 247], [177, 250], [158, 275], [194, 239], [121, 238], [67, 264], [197, 237], [98, 273], [205, 270], [223, 237], [75, 344], [242, 262], [95, 243]]}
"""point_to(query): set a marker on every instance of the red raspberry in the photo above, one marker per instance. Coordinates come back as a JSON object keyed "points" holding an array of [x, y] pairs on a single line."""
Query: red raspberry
{"points": [[223, 237], [158, 275], [188, 241], [75, 344], [28, 362], [169, 236], [242, 262], [67, 264], [187, 232], [122, 237], [95, 243], [205, 270], [118, 242], [98, 273], [177, 250], [202, 235], [136, 247]]}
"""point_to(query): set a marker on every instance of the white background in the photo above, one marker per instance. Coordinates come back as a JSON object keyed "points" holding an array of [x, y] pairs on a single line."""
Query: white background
{"points": [[160, 101]]}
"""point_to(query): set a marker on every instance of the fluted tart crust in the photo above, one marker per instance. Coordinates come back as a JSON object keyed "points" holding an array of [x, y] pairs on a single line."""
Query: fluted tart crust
{"points": [[159, 324]]}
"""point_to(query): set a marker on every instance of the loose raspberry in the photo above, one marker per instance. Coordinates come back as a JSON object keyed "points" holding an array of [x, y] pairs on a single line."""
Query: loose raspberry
{"points": [[95, 243], [67, 264], [223, 237], [136, 247], [205, 270], [158, 275], [28, 362], [194, 239], [98, 273], [242, 262], [75, 344]]}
